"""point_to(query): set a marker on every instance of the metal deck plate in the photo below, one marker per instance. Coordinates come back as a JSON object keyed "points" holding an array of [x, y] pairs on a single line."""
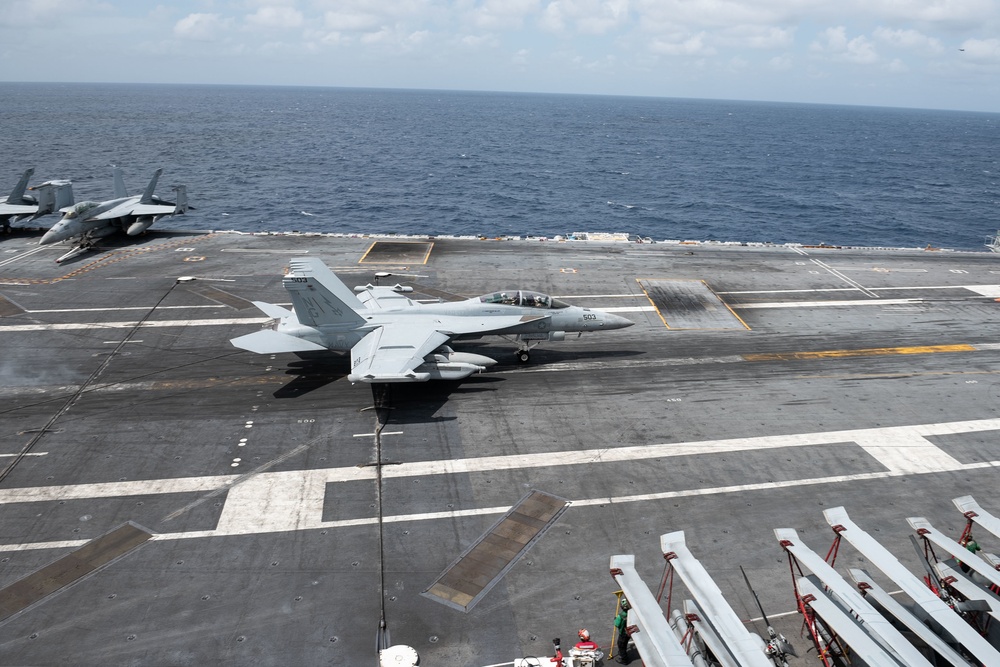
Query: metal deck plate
{"points": [[483, 564], [219, 296], [397, 252], [70, 568], [8, 307], [689, 304]]}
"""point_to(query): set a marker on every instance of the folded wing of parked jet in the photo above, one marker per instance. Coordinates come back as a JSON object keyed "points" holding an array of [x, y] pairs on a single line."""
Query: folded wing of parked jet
{"points": [[20, 206]]}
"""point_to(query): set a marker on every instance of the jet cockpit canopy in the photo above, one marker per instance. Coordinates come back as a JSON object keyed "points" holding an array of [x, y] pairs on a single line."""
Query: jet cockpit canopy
{"points": [[523, 298], [82, 207]]}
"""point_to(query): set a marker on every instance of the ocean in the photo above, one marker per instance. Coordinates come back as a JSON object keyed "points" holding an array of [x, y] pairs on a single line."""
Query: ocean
{"points": [[477, 163]]}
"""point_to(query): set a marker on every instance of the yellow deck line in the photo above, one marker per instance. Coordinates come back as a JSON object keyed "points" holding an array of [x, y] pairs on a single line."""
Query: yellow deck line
{"points": [[869, 352]]}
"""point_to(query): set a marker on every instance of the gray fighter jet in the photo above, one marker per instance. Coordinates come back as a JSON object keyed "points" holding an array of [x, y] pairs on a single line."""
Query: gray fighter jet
{"points": [[393, 338], [21, 207], [89, 221]]}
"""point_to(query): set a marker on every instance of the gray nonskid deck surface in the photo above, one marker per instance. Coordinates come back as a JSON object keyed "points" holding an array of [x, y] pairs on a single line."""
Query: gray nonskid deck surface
{"points": [[253, 471]]}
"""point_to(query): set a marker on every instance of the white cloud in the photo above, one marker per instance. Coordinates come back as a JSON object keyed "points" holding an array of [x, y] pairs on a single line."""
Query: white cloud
{"points": [[833, 43], [397, 39], [479, 41], [201, 27], [982, 49], [738, 64], [655, 14], [275, 17], [347, 21], [908, 39], [897, 66], [757, 37], [21, 13], [681, 45], [934, 12], [590, 17], [781, 63], [498, 14]]}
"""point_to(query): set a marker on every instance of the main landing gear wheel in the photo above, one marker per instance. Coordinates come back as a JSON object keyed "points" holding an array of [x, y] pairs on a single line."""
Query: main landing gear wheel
{"points": [[523, 356]]}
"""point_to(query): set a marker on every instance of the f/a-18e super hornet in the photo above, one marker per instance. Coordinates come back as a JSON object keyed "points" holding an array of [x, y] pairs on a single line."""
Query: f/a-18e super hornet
{"points": [[21, 207], [393, 338], [89, 221]]}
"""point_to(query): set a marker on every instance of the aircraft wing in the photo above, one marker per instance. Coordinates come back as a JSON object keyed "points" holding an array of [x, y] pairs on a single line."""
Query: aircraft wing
{"points": [[135, 209], [392, 352], [17, 209], [154, 209]]}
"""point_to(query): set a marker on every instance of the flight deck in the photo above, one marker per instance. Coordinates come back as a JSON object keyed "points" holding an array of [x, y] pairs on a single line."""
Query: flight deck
{"points": [[168, 499]]}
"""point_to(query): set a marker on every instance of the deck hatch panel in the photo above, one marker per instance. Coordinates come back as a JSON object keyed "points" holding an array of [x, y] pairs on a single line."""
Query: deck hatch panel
{"points": [[488, 559]]}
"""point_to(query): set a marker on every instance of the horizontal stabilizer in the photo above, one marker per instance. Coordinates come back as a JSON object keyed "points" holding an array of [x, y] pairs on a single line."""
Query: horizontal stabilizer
{"points": [[271, 310], [273, 342]]}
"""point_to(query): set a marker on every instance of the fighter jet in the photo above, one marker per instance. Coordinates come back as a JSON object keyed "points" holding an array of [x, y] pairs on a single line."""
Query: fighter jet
{"points": [[393, 338], [18, 206], [89, 221]]}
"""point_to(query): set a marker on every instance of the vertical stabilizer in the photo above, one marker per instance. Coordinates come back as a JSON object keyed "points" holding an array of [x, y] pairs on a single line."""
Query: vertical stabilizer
{"points": [[16, 195], [182, 199], [320, 298], [119, 190], [147, 196]]}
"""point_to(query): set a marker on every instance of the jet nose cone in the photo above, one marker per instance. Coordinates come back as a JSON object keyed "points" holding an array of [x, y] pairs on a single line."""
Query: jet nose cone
{"points": [[616, 322], [48, 237]]}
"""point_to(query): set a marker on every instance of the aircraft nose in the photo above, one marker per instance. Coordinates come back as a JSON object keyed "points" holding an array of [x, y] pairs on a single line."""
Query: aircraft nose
{"points": [[49, 237], [58, 232], [616, 321]]}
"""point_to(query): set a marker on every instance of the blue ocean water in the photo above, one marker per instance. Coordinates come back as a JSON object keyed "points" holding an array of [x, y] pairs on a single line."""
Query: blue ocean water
{"points": [[430, 162]]}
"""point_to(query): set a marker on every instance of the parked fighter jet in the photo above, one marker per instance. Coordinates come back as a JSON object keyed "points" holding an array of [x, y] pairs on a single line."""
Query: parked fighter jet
{"points": [[89, 221], [395, 339], [18, 206]]}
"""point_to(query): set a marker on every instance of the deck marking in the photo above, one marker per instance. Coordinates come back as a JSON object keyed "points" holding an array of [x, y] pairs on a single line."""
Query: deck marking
{"points": [[102, 310], [28, 253], [869, 352], [268, 502], [824, 304], [154, 324], [847, 280]]}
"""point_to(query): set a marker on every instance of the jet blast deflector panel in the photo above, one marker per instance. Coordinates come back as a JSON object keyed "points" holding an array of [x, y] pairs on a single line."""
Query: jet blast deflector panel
{"points": [[482, 565], [689, 304], [397, 252], [70, 568]]}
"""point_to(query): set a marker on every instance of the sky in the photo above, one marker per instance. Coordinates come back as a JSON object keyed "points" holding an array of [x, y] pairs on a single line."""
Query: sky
{"points": [[938, 54]]}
